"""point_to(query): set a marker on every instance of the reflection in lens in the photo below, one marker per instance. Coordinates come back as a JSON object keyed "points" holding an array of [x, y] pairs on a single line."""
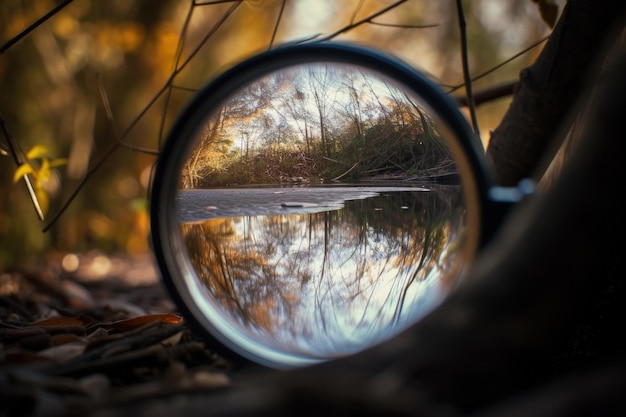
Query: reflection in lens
{"points": [[321, 210]]}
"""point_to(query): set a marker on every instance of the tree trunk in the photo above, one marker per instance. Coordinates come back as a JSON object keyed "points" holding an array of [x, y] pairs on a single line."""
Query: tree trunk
{"points": [[526, 140]]}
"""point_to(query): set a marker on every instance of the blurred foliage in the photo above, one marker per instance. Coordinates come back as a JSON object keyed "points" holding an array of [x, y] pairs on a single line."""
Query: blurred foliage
{"points": [[100, 82]]}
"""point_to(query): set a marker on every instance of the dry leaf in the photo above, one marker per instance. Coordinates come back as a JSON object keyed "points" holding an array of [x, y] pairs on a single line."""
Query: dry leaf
{"points": [[134, 323], [63, 338]]}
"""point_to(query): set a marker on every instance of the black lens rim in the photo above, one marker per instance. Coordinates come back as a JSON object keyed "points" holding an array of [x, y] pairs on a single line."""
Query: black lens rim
{"points": [[175, 148]]}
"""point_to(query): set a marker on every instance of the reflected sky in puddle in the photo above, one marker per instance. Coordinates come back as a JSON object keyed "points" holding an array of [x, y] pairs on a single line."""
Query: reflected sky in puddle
{"points": [[326, 282]]}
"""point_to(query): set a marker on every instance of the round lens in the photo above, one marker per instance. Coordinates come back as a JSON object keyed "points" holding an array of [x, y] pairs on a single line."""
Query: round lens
{"points": [[314, 201]]}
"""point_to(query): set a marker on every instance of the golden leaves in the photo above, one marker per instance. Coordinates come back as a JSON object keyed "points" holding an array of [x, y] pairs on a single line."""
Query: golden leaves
{"points": [[39, 167]]}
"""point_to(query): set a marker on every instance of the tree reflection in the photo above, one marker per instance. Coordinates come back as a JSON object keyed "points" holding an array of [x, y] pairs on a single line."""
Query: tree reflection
{"points": [[329, 281]]}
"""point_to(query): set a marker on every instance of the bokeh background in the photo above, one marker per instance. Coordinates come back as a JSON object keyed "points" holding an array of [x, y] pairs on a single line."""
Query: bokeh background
{"points": [[100, 83]]}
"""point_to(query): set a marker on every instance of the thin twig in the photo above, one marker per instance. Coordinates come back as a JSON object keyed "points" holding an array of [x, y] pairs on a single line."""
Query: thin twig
{"points": [[139, 149], [33, 26], [488, 94], [107, 109], [212, 2], [503, 63], [183, 88], [466, 72], [33, 196], [337, 178], [179, 68], [181, 39], [214, 29], [303, 40], [356, 11], [13, 148], [179, 53], [402, 26], [280, 15], [362, 21]]}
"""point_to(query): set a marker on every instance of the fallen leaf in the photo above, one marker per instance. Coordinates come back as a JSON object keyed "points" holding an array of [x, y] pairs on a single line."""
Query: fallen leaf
{"points": [[136, 322], [64, 338]]}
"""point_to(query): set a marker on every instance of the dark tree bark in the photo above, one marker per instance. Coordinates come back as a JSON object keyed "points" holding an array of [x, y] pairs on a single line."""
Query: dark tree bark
{"points": [[547, 92]]}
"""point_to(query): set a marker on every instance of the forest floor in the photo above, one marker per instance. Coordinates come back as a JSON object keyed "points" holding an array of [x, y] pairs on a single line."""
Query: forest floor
{"points": [[97, 335], [82, 332]]}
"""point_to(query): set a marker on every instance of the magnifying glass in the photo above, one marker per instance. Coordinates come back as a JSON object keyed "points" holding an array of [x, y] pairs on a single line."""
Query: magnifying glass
{"points": [[316, 200]]}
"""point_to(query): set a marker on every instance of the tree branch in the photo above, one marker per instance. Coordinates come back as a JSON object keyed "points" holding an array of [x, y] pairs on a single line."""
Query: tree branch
{"points": [[5, 47], [466, 71], [488, 94]]}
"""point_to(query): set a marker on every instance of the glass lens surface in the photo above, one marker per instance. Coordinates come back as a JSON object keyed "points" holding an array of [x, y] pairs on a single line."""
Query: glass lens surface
{"points": [[320, 211]]}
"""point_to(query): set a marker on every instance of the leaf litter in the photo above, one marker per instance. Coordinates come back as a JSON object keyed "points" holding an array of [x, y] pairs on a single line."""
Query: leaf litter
{"points": [[73, 341]]}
